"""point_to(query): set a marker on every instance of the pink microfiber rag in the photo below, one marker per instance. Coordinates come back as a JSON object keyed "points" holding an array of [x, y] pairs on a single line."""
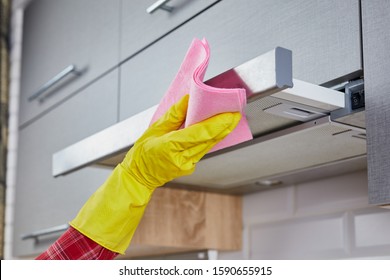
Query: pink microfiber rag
{"points": [[205, 101]]}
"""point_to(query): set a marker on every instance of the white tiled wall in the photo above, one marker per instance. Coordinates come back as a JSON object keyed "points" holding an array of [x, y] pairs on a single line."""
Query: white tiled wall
{"points": [[325, 219]]}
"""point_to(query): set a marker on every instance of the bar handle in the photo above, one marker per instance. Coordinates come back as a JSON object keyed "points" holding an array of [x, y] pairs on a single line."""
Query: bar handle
{"points": [[47, 231], [159, 5], [65, 72]]}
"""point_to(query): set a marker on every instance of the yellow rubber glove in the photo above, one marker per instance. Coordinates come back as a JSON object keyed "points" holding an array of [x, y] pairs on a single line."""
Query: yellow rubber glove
{"points": [[112, 214]]}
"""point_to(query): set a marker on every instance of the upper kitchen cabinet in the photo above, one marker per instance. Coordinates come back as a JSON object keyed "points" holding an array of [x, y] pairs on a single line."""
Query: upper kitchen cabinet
{"points": [[376, 41], [57, 35], [324, 37], [43, 202], [144, 21]]}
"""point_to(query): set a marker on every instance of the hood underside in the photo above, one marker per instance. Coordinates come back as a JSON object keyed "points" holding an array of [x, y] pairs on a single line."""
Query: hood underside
{"points": [[295, 137]]}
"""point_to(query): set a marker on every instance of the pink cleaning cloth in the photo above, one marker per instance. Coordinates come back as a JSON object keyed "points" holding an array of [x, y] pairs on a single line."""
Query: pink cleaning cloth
{"points": [[205, 101]]}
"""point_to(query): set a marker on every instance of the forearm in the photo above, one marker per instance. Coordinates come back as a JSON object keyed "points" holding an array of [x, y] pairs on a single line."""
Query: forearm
{"points": [[106, 223], [73, 245]]}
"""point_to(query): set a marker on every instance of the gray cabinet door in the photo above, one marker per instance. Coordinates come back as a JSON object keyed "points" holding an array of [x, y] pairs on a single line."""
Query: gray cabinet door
{"points": [[59, 33], [139, 28], [376, 42], [323, 35], [42, 201]]}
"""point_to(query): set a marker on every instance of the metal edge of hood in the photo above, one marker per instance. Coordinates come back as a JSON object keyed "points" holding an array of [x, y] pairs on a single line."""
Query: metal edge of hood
{"points": [[269, 74]]}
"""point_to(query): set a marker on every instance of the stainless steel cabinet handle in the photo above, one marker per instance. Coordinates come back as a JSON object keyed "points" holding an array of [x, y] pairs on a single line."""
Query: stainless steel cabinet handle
{"points": [[68, 70], [47, 231], [160, 4]]}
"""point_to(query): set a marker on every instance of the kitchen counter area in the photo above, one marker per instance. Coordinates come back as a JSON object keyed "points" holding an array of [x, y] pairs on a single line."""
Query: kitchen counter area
{"points": [[304, 188]]}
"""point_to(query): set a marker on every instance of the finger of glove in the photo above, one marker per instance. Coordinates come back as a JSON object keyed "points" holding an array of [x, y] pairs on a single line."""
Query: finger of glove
{"points": [[176, 153], [172, 120], [201, 137]]}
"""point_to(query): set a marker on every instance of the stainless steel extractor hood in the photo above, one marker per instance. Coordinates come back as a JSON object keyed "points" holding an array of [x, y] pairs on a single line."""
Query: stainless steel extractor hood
{"points": [[301, 132]]}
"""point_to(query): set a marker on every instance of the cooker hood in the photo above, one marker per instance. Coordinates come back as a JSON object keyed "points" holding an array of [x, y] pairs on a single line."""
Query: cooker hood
{"points": [[301, 132]]}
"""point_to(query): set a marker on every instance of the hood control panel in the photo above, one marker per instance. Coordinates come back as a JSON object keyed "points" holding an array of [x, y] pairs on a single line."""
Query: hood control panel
{"points": [[356, 93], [354, 100]]}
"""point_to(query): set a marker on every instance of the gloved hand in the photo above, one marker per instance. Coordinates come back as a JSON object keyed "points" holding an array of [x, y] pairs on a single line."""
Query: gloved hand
{"points": [[162, 153]]}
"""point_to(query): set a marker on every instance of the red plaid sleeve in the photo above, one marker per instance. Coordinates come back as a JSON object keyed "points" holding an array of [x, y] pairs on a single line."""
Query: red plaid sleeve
{"points": [[73, 245]]}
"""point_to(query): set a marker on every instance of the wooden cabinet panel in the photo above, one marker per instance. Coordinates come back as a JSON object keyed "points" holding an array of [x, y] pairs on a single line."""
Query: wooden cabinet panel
{"points": [[181, 220], [323, 35], [42, 201], [57, 34]]}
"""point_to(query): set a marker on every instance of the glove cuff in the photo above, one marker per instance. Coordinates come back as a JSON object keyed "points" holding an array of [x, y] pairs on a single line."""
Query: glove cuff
{"points": [[112, 214]]}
